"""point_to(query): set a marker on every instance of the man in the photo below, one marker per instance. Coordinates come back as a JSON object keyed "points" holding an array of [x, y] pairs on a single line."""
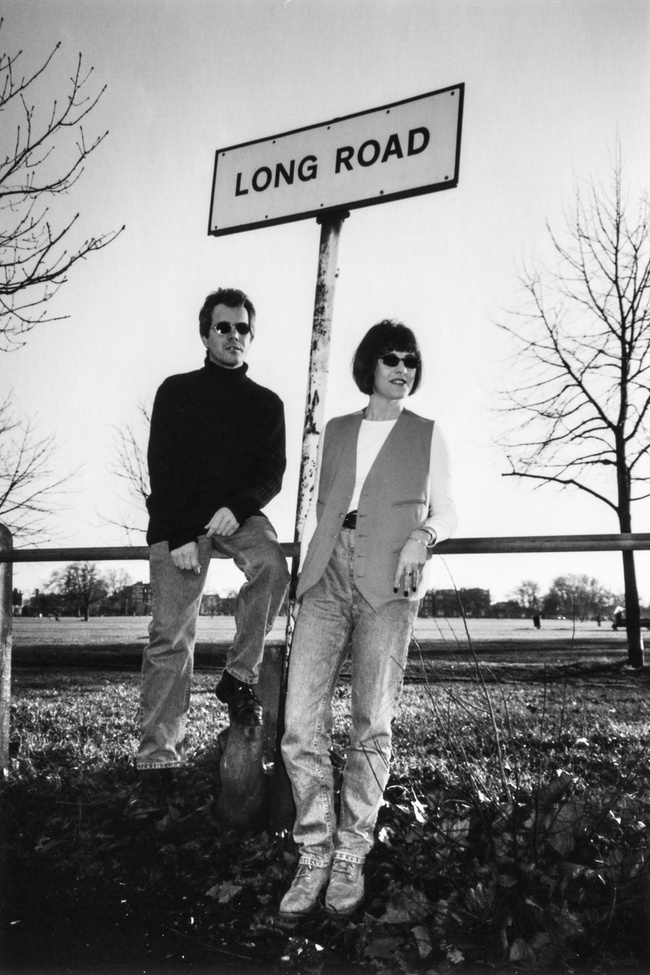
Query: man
{"points": [[216, 458]]}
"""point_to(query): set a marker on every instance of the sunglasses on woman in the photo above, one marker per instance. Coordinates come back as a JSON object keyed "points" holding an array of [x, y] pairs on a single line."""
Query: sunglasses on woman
{"points": [[411, 361], [225, 328]]}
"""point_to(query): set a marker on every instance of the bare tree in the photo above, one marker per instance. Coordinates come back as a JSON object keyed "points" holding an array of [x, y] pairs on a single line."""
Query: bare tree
{"points": [[116, 580], [79, 584], [578, 596], [527, 594], [130, 465], [43, 154], [28, 487], [579, 390]]}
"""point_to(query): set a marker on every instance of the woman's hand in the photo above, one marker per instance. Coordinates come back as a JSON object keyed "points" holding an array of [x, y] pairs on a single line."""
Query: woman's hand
{"points": [[410, 564]]}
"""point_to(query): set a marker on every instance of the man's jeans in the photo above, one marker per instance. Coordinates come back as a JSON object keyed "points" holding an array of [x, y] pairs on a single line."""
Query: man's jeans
{"points": [[333, 612], [168, 659]]}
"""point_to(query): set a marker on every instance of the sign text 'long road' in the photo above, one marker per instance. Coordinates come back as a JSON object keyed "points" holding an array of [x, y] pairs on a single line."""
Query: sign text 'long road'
{"points": [[404, 149]]}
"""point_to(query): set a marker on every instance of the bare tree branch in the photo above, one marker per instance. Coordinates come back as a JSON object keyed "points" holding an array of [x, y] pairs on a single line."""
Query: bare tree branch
{"points": [[130, 466], [29, 491], [46, 156]]}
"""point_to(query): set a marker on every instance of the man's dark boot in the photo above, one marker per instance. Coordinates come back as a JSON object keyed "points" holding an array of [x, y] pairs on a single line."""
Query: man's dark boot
{"points": [[150, 793], [244, 706]]}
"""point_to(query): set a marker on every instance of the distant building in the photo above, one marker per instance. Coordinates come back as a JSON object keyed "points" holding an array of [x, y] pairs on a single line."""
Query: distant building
{"points": [[213, 604], [135, 600], [508, 609], [448, 602]]}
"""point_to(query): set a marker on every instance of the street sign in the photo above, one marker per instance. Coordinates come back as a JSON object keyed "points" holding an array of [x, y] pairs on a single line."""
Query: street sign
{"points": [[403, 149]]}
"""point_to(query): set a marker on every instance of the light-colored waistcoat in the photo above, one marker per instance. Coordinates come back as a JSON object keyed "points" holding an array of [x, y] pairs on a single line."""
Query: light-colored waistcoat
{"points": [[394, 500]]}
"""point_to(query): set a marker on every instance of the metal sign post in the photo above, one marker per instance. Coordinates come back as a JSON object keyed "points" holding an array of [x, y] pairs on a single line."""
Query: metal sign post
{"points": [[330, 233]]}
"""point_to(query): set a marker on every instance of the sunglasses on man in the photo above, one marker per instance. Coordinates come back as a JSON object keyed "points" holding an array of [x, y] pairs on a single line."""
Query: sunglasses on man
{"points": [[225, 328], [411, 361]]}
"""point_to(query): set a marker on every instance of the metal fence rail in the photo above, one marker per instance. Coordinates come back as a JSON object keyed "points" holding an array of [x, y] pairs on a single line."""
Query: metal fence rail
{"points": [[524, 544]]}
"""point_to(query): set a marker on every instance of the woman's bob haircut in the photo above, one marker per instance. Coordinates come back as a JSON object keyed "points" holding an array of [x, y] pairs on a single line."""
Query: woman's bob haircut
{"points": [[385, 336]]}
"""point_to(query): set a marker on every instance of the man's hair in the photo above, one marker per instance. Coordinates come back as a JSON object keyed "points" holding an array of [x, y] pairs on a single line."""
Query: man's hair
{"points": [[232, 298], [385, 336]]}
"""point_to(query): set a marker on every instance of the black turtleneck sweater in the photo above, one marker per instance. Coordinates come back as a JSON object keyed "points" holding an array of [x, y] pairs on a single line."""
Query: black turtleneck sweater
{"points": [[217, 440]]}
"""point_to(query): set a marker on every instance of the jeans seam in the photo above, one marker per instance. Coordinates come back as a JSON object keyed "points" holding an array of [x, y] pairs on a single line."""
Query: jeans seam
{"points": [[322, 787], [326, 800]]}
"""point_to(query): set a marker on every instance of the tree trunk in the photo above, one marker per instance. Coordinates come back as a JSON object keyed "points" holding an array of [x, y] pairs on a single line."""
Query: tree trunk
{"points": [[632, 613]]}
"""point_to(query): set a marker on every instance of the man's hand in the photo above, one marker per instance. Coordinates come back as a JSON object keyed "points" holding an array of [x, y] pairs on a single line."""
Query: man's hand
{"points": [[187, 557], [222, 523]]}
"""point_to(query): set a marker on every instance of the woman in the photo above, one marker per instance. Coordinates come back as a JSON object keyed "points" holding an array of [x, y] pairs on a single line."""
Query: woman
{"points": [[383, 501]]}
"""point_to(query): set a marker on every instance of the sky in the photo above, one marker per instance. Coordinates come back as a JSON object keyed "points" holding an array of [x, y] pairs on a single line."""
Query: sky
{"points": [[550, 87]]}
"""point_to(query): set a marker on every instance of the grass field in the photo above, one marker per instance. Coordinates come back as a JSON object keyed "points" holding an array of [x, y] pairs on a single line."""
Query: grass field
{"points": [[515, 644], [514, 837], [132, 630]]}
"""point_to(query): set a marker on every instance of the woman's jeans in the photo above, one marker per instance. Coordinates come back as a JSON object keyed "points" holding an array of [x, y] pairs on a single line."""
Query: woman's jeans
{"points": [[168, 659], [334, 617]]}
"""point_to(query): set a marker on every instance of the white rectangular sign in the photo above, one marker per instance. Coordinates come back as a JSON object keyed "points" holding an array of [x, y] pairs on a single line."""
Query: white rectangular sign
{"points": [[399, 150]]}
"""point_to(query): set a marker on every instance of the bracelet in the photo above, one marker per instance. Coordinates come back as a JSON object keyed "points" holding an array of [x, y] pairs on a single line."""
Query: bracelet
{"points": [[419, 541], [432, 537]]}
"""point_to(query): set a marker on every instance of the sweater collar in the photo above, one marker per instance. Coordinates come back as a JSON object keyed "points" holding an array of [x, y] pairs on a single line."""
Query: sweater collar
{"points": [[220, 374]]}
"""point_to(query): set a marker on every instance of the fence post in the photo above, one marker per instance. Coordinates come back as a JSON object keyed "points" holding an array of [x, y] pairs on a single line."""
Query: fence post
{"points": [[6, 611]]}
